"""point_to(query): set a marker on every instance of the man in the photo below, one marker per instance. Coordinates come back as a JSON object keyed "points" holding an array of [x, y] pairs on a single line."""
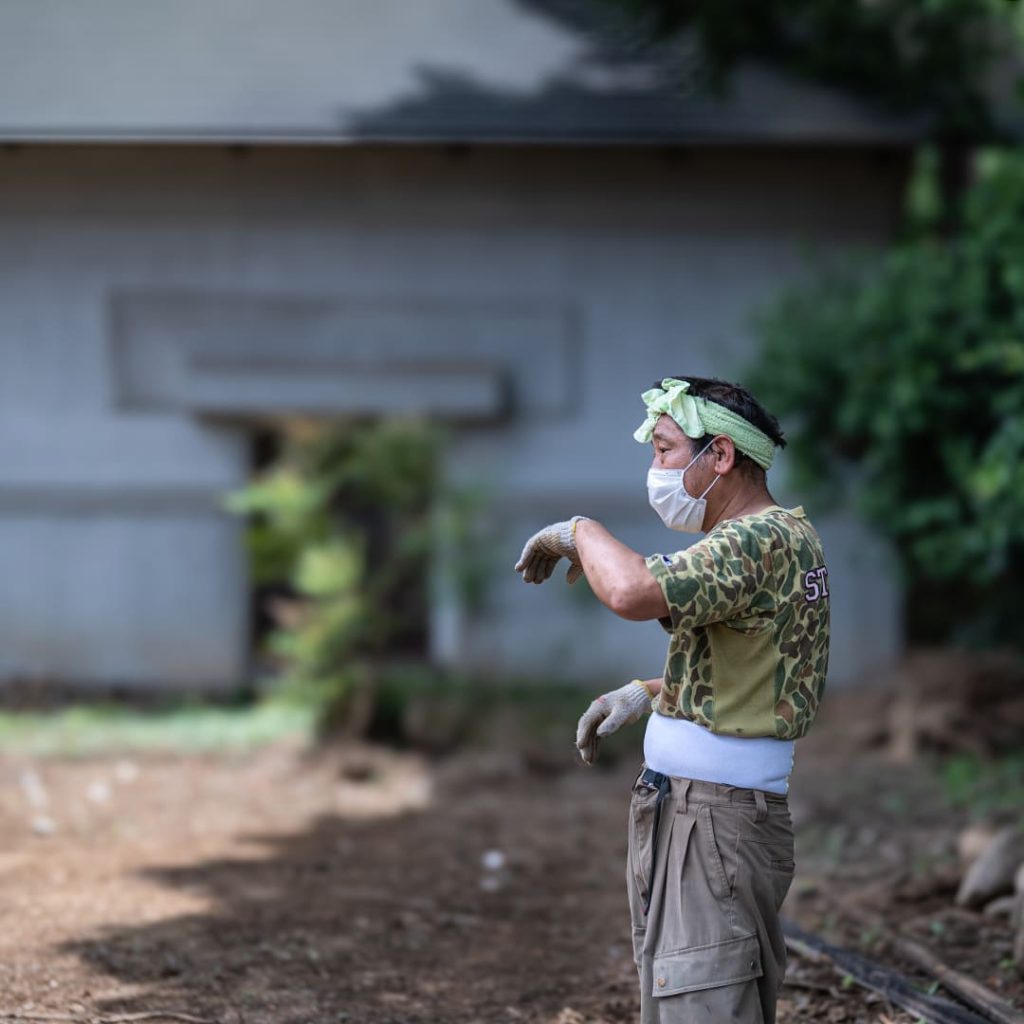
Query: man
{"points": [[747, 610]]}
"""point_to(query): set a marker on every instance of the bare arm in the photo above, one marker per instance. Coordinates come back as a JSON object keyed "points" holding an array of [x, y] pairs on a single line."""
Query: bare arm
{"points": [[618, 575]]}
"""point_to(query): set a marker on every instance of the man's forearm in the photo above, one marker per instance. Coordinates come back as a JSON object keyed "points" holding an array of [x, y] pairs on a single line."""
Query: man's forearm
{"points": [[617, 574]]}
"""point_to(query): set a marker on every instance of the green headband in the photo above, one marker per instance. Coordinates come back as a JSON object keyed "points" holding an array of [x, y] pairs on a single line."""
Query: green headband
{"points": [[697, 417]]}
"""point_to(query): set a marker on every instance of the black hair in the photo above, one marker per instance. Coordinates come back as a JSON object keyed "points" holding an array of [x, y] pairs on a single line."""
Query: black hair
{"points": [[739, 400]]}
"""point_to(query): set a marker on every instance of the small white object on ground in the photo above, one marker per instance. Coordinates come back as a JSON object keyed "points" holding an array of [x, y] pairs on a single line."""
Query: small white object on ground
{"points": [[98, 792], [43, 826], [493, 860]]}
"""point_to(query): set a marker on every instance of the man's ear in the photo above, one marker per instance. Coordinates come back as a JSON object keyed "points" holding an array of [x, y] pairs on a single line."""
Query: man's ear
{"points": [[725, 453]]}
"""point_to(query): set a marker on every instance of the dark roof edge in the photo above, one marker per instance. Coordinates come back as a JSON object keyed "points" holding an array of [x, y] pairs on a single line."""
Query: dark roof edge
{"points": [[299, 137]]}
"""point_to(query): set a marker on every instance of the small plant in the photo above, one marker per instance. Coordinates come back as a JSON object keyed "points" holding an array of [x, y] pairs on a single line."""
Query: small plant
{"points": [[345, 527], [983, 785], [870, 935]]}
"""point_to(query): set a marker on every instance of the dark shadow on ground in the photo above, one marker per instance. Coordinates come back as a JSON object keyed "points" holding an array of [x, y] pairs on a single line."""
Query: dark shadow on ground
{"points": [[399, 920]]}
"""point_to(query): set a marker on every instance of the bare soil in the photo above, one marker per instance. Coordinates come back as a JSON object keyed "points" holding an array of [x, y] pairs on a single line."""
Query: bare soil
{"points": [[359, 884]]}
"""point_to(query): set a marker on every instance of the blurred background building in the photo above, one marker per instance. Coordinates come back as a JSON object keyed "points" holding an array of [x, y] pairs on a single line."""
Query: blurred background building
{"points": [[216, 215]]}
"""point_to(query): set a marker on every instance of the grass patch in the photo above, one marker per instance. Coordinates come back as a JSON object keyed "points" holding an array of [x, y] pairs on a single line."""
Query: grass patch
{"points": [[408, 707], [89, 729]]}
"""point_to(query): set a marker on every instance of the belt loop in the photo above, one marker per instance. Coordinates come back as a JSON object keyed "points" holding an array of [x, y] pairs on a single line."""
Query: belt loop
{"points": [[684, 796], [762, 805]]}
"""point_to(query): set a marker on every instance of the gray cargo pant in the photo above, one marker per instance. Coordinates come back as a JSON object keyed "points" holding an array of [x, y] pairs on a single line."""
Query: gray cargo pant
{"points": [[704, 899]]}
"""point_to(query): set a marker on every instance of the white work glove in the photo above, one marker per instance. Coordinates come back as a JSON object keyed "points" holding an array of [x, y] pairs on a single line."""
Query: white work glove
{"points": [[546, 547], [609, 712]]}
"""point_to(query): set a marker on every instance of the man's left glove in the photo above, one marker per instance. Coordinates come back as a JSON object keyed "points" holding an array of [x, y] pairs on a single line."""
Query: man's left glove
{"points": [[609, 712], [546, 547]]}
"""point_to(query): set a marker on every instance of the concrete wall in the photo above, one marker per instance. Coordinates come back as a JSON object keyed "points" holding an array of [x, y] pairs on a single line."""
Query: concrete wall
{"points": [[153, 300]]}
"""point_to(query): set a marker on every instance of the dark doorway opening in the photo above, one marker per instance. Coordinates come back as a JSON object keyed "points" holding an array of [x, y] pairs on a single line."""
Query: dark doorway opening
{"points": [[319, 489]]}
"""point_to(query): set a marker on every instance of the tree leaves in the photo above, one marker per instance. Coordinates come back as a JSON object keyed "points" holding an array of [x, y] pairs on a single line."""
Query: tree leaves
{"points": [[901, 381], [928, 57]]}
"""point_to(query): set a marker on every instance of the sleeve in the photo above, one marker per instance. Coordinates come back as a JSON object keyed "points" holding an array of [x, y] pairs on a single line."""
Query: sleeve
{"points": [[721, 577]]}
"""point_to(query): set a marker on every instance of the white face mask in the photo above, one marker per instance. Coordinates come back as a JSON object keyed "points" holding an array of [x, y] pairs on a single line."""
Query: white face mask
{"points": [[668, 496]]}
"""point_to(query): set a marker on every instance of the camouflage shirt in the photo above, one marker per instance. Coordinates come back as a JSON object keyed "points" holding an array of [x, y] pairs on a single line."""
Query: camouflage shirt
{"points": [[749, 621]]}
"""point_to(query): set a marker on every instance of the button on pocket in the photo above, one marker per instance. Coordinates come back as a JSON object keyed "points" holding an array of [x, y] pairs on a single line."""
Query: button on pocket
{"points": [[715, 965]]}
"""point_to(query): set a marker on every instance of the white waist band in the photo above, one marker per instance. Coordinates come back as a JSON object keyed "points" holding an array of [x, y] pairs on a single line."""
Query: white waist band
{"points": [[677, 746]]}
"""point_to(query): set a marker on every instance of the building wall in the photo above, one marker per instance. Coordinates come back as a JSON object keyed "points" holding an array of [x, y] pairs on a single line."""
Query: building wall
{"points": [[153, 301]]}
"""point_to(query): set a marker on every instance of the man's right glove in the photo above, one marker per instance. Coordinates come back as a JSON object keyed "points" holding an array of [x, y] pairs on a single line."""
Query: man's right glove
{"points": [[546, 547], [609, 712]]}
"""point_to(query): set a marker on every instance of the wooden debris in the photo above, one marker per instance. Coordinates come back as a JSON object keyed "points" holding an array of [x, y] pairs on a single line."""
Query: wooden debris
{"points": [[992, 873], [895, 987], [973, 840], [1001, 906], [972, 992], [1017, 920]]}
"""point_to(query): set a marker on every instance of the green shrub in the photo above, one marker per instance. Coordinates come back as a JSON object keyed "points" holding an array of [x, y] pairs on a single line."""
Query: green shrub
{"points": [[344, 527], [901, 382]]}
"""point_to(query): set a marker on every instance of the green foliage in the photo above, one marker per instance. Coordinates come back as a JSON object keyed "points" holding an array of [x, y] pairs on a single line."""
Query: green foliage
{"points": [[533, 719], [902, 383], [922, 56], [348, 519], [286, 508], [984, 786]]}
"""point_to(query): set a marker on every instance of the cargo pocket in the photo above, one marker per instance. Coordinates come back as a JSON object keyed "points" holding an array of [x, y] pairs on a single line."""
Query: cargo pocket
{"points": [[705, 967]]}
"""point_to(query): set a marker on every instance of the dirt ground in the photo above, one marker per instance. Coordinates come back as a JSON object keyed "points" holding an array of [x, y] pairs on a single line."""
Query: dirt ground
{"points": [[363, 885]]}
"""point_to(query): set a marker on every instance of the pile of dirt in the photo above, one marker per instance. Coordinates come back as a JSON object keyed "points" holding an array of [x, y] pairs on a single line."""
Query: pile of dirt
{"points": [[944, 701]]}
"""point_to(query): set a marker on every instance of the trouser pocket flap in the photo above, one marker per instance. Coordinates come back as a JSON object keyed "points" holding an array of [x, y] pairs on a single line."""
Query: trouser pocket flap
{"points": [[721, 963]]}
